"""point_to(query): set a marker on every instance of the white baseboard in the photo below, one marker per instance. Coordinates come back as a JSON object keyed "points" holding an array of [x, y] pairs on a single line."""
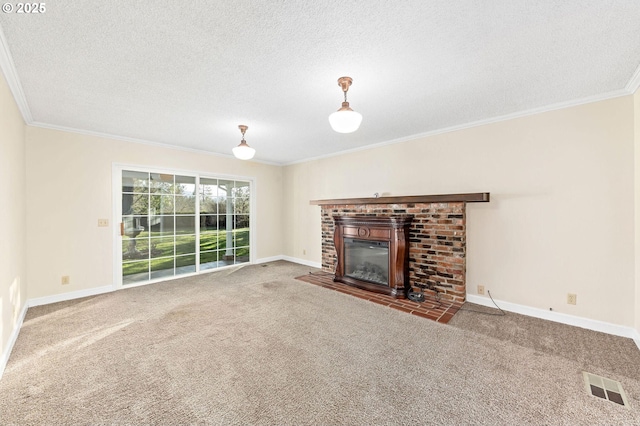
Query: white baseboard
{"points": [[268, 259], [70, 296], [289, 259], [107, 289], [12, 339], [302, 262], [604, 327], [589, 324]]}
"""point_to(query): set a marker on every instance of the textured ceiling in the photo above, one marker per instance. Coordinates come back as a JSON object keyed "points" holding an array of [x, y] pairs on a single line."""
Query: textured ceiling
{"points": [[187, 73]]}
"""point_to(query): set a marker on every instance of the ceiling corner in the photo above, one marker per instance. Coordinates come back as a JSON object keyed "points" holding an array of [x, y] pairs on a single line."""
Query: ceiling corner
{"points": [[11, 75], [634, 83]]}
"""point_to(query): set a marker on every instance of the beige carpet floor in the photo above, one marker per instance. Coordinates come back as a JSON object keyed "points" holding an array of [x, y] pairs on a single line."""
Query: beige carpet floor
{"points": [[252, 345]]}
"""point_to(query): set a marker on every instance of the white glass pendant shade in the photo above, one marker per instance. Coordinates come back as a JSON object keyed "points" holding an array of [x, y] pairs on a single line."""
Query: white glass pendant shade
{"points": [[345, 120], [244, 151]]}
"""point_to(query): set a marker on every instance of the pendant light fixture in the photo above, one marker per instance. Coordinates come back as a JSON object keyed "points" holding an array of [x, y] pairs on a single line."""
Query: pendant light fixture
{"points": [[345, 120], [243, 151]]}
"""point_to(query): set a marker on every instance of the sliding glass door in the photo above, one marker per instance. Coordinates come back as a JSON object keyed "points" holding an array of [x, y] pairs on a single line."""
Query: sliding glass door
{"points": [[224, 222], [174, 224]]}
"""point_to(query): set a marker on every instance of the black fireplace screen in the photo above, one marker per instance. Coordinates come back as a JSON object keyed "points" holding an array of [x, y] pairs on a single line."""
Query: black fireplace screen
{"points": [[367, 260]]}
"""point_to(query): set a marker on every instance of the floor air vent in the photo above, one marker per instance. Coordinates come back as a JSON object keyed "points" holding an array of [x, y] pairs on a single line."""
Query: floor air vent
{"points": [[604, 388]]}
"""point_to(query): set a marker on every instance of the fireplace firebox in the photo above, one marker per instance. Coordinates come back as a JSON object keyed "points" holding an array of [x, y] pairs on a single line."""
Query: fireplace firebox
{"points": [[367, 260], [373, 252]]}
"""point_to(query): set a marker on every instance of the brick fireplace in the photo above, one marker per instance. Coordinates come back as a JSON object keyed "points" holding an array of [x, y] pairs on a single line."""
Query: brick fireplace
{"points": [[372, 252], [437, 236]]}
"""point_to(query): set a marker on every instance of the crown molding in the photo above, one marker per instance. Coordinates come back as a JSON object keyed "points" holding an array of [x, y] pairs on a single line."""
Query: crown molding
{"points": [[13, 81], [141, 141], [634, 83], [496, 119], [11, 75], [8, 68]]}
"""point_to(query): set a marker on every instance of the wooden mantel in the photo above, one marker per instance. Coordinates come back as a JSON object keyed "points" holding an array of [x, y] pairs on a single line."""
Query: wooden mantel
{"points": [[476, 197]]}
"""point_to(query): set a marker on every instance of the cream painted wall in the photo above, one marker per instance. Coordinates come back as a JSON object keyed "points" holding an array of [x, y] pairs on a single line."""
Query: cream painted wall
{"points": [[13, 281], [561, 214], [636, 111], [69, 187]]}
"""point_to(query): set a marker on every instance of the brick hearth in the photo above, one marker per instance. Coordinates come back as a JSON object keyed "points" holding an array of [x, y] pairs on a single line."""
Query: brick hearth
{"points": [[440, 311]]}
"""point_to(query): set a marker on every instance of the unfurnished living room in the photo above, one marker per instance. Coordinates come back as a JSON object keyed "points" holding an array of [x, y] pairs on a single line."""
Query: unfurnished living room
{"points": [[320, 213]]}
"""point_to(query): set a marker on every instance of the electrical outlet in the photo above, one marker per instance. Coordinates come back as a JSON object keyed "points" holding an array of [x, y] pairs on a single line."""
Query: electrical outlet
{"points": [[480, 289], [103, 222], [304, 251], [572, 298], [65, 280]]}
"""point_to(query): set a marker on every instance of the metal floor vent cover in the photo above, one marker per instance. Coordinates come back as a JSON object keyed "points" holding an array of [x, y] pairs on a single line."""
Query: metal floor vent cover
{"points": [[604, 388]]}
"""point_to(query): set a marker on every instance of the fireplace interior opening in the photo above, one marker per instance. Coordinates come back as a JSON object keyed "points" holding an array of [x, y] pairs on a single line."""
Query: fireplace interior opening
{"points": [[367, 260]]}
